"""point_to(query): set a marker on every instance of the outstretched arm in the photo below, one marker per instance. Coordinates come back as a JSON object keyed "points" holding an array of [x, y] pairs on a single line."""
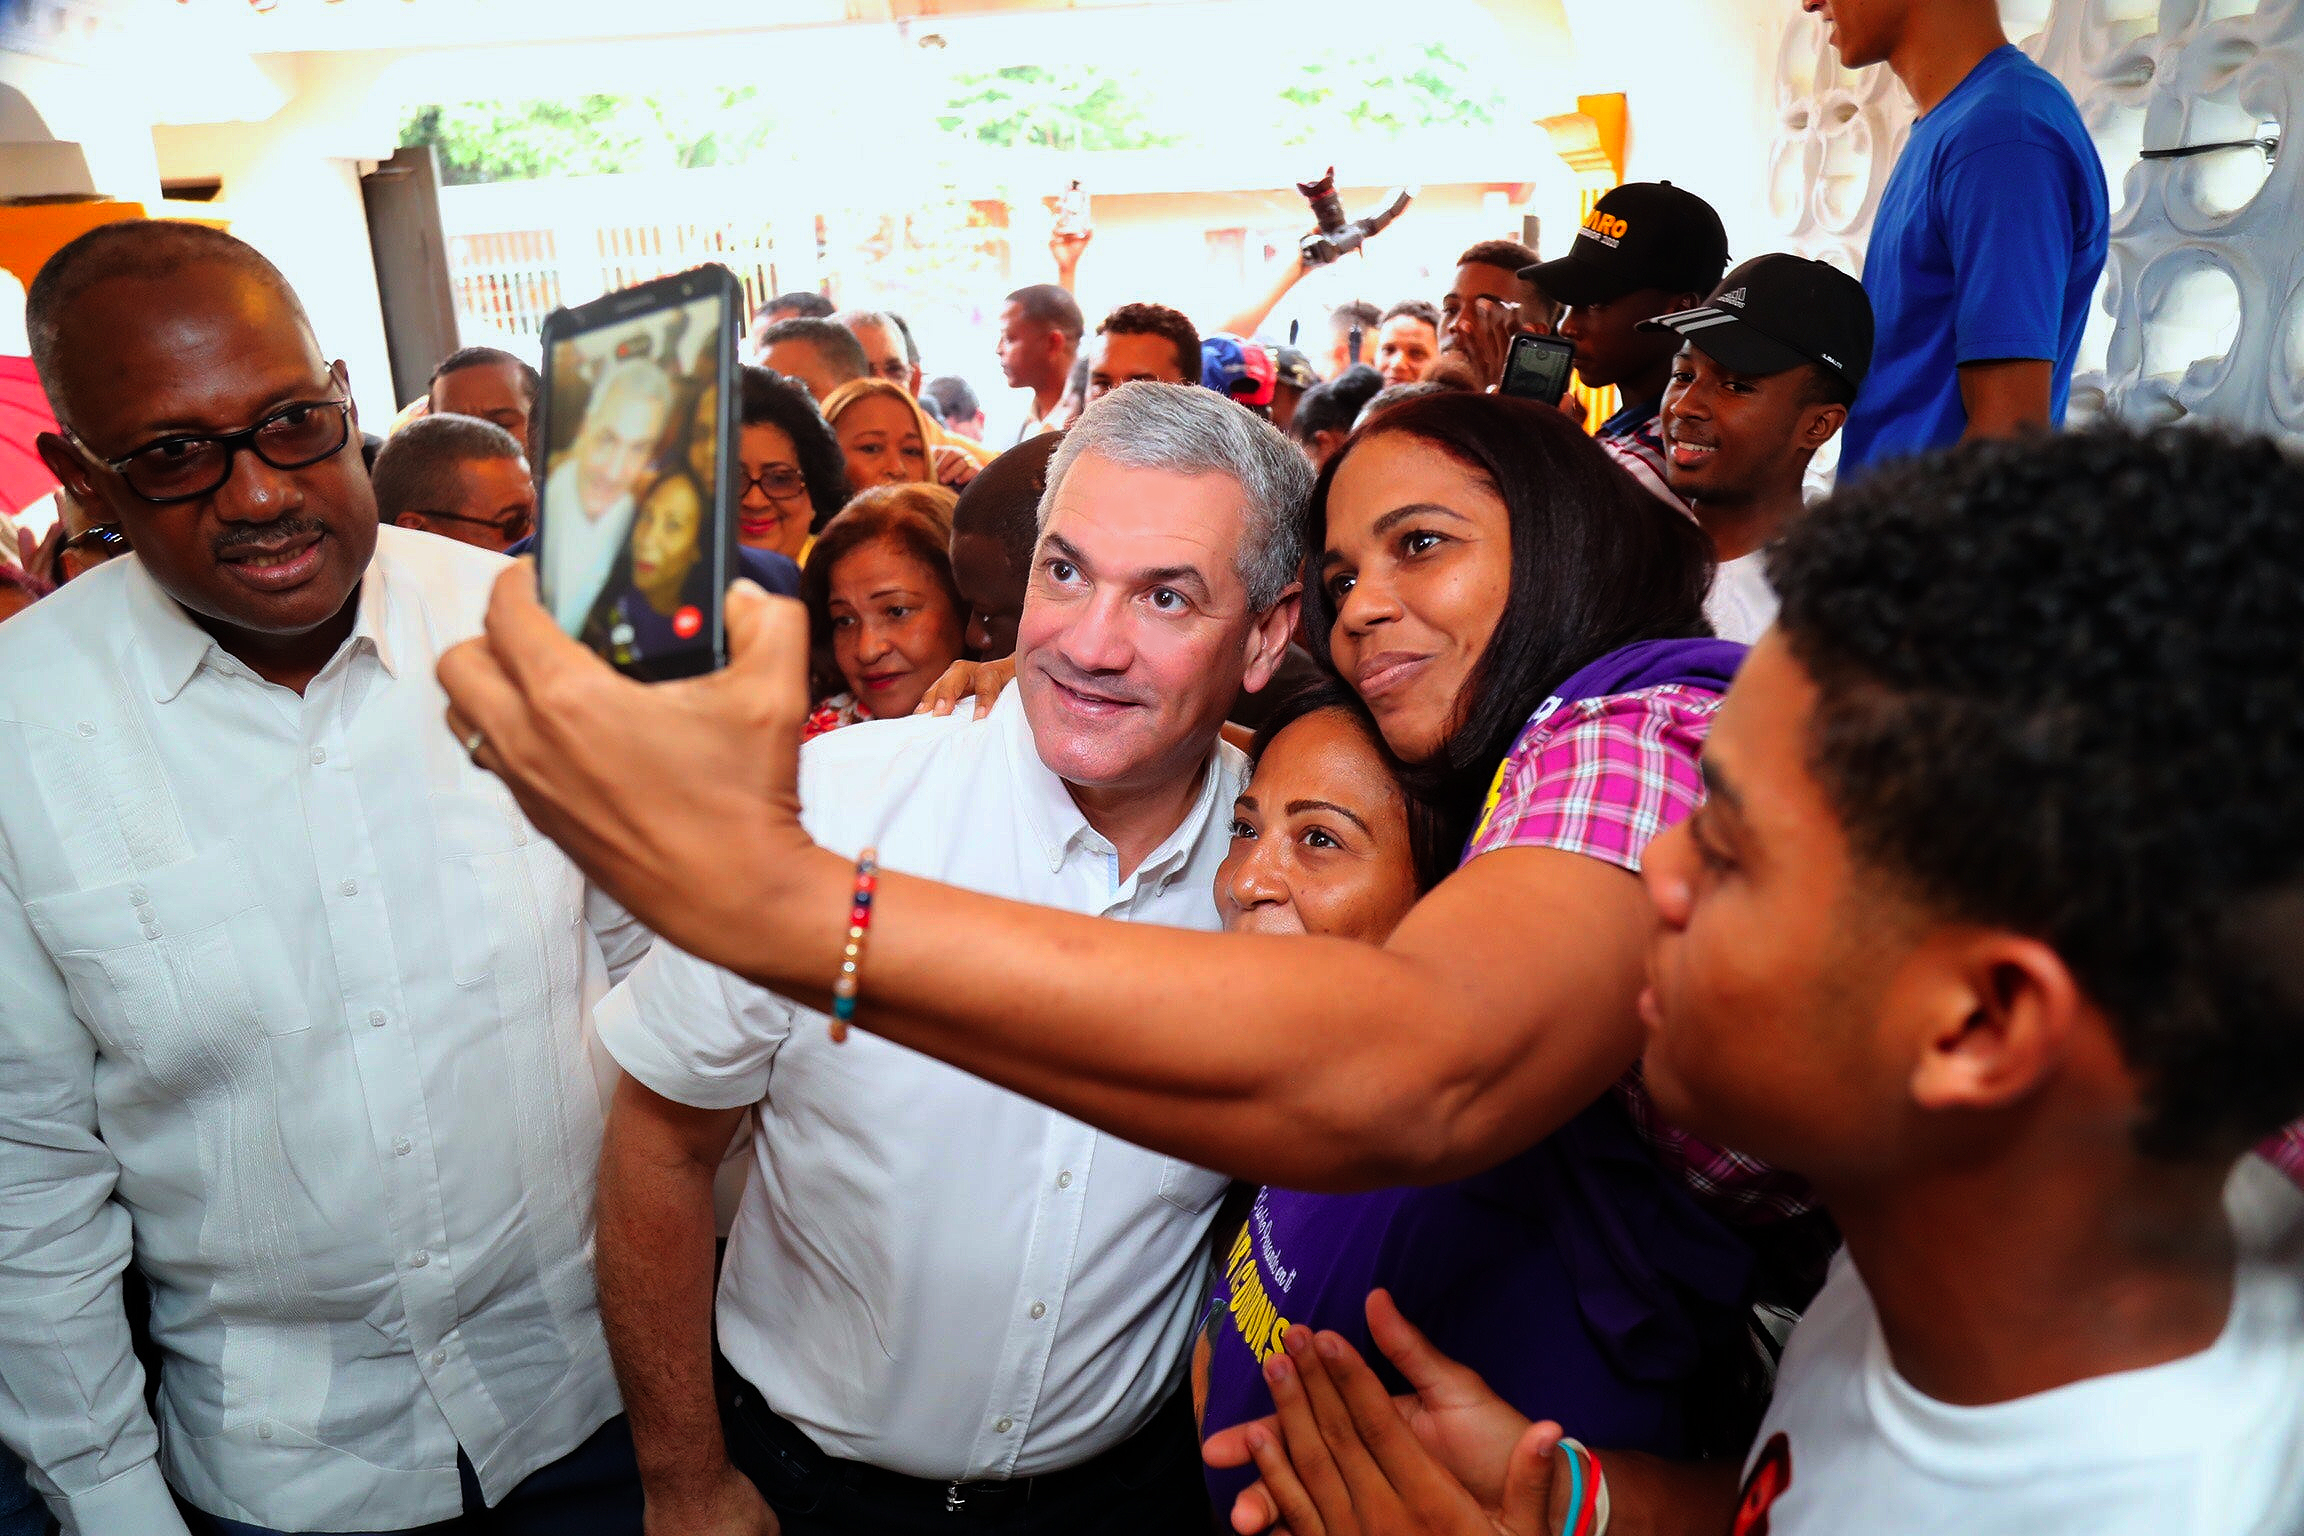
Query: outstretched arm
{"points": [[1286, 274], [1502, 1006]]}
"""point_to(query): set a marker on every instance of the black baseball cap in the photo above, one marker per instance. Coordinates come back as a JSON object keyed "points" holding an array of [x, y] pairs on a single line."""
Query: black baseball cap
{"points": [[1779, 312], [1644, 234]]}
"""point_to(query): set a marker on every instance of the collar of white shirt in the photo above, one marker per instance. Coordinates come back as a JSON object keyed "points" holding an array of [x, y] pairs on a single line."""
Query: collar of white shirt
{"points": [[1055, 819], [173, 646]]}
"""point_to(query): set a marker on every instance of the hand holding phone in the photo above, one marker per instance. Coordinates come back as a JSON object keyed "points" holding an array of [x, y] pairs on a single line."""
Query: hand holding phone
{"points": [[1537, 368], [636, 535]]}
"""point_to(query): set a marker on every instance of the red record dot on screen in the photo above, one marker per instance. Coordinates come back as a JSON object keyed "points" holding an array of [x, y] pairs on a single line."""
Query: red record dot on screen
{"points": [[687, 621]]}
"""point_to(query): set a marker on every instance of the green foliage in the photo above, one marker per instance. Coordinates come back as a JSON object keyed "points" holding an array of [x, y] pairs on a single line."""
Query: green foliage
{"points": [[1030, 106], [590, 135], [1320, 98]]}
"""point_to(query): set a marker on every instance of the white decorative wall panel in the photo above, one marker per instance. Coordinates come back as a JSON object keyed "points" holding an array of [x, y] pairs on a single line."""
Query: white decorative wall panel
{"points": [[2201, 312]]}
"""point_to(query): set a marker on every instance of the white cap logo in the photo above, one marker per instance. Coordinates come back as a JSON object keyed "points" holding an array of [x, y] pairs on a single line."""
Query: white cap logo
{"points": [[1735, 297]]}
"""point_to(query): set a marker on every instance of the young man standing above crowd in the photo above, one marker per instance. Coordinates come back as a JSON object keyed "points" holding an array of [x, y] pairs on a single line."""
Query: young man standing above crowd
{"points": [[1990, 236], [1647, 249], [1766, 369], [1040, 330]]}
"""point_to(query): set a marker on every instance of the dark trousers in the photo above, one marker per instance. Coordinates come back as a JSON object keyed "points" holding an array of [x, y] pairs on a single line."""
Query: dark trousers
{"points": [[1150, 1485], [594, 1490]]}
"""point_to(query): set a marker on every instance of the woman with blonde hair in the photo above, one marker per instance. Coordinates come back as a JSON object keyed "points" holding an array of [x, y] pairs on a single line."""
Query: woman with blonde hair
{"points": [[883, 613], [888, 440]]}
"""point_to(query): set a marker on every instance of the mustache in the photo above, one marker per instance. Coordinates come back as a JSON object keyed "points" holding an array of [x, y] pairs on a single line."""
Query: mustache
{"points": [[247, 536], [1102, 685]]}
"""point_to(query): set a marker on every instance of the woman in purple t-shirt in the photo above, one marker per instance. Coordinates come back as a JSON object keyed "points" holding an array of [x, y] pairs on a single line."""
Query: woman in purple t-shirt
{"points": [[1579, 1278]]}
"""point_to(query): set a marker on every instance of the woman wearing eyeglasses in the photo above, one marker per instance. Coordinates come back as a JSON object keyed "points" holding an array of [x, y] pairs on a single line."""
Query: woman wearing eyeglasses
{"points": [[791, 474]]}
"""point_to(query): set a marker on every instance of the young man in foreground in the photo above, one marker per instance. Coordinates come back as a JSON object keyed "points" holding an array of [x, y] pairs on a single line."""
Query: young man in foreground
{"points": [[1989, 927]]}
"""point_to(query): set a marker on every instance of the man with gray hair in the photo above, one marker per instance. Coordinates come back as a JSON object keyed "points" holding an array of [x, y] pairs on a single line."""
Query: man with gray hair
{"points": [[887, 350], [938, 1296], [588, 496]]}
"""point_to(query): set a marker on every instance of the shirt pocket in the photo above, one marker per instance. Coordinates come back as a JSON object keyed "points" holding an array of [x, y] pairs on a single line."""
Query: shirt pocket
{"points": [[505, 890], [1189, 1188], [172, 948]]}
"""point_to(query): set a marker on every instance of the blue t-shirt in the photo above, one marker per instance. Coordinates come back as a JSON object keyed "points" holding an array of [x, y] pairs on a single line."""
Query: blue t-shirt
{"points": [[1987, 246]]}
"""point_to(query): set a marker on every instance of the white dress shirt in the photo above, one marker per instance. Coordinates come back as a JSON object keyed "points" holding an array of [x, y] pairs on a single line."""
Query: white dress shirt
{"points": [[1741, 605], [578, 550], [929, 1273], [292, 991]]}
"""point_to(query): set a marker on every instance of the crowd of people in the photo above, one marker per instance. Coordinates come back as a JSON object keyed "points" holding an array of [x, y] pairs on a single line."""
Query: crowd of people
{"points": [[1464, 970]]}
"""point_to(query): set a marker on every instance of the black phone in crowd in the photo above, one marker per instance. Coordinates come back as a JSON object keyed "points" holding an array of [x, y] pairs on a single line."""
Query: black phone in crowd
{"points": [[636, 526], [1537, 368]]}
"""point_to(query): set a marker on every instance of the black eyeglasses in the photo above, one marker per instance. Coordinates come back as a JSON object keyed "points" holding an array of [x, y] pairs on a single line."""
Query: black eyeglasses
{"points": [[777, 482], [510, 529], [188, 468]]}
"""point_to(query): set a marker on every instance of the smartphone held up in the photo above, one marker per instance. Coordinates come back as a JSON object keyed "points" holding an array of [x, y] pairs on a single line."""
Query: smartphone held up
{"points": [[636, 534]]}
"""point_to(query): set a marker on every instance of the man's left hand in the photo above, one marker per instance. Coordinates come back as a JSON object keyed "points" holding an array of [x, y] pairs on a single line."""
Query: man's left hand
{"points": [[647, 788]]}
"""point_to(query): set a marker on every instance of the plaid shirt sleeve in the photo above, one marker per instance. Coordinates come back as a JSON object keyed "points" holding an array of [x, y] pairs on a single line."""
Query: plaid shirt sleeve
{"points": [[1600, 776], [1603, 777]]}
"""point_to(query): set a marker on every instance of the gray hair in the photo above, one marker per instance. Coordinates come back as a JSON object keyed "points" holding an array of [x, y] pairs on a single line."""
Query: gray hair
{"points": [[1189, 430]]}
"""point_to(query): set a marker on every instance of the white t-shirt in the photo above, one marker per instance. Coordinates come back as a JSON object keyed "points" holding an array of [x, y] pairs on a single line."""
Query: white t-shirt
{"points": [[2209, 1445], [1741, 604], [578, 550]]}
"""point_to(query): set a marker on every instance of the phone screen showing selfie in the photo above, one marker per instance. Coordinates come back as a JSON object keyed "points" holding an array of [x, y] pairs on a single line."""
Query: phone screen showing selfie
{"points": [[631, 550]]}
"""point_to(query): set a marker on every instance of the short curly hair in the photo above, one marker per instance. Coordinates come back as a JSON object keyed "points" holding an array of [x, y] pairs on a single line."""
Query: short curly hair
{"points": [[1170, 325], [2058, 694]]}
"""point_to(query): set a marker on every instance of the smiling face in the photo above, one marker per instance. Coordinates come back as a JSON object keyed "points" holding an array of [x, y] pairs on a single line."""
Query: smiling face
{"points": [[894, 629], [1418, 567], [1136, 635], [204, 350], [1319, 838], [776, 521], [665, 543], [881, 439], [1731, 438], [612, 447], [1405, 348]]}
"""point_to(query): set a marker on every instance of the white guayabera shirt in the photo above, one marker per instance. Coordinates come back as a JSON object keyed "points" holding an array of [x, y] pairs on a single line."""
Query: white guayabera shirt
{"points": [[928, 1273], [292, 991]]}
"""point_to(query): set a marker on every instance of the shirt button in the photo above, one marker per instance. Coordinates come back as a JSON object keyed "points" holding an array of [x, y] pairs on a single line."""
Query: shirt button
{"points": [[419, 1260], [349, 888], [319, 756], [263, 1431], [151, 929], [1039, 1310], [520, 837], [1004, 1425], [1064, 1181], [375, 1018], [138, 894], [439, 1357], [402, 1146], [87, 728]]}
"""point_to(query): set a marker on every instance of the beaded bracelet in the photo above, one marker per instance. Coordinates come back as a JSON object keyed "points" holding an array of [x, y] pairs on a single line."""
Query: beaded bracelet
{"points": [[844, 988]]}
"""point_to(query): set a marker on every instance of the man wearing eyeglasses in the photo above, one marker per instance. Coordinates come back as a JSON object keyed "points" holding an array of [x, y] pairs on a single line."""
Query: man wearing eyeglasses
{"points": [[292, 999], [459, 477]]}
